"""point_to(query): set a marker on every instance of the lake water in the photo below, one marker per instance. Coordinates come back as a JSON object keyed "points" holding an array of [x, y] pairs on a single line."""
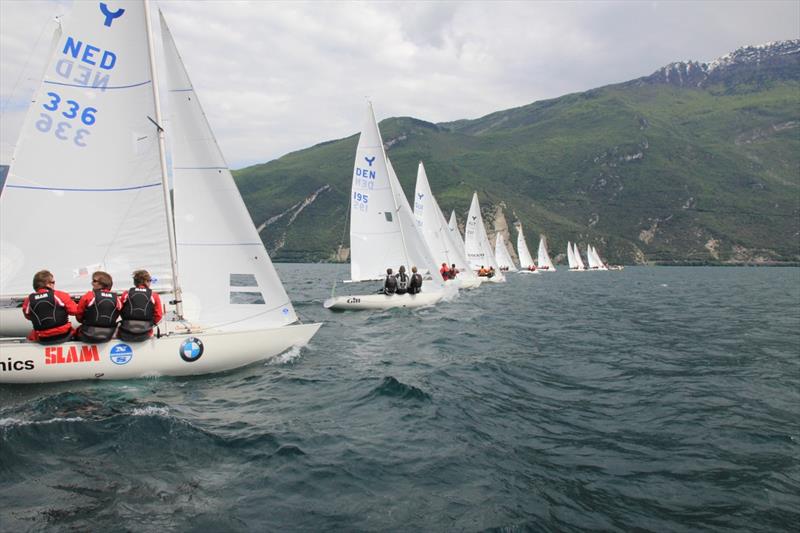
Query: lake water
{"points": [[657, 399]]}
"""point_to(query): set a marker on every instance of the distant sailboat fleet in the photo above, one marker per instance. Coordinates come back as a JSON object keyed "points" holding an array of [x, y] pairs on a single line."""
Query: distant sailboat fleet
{"points": [[386, 235]]}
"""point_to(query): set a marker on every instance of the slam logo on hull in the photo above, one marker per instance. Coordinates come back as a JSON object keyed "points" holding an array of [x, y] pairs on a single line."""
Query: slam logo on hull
{"points": [[191, 349], [57, 355], [121, 354]]}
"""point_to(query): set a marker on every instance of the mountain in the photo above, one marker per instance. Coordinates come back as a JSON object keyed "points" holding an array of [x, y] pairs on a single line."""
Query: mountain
{"points": [[697, 162]]}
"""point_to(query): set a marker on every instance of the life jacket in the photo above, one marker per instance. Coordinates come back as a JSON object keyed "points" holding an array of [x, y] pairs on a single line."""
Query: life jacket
{"points": [[402, 281], [103, 311], [416, 283], [137, 315], [44, 311], [390, 285], [138, 305]]}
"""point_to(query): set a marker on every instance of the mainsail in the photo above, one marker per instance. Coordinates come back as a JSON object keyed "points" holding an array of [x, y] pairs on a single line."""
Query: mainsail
{"points": [[476, 241], [525, 259], [501, 254], [383, 233], [86, 171], [544, 261]]}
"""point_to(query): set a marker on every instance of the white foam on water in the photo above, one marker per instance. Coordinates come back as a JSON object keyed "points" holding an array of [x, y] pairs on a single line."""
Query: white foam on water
{"points": [[13, 422], [151, 411], [286, 357]]}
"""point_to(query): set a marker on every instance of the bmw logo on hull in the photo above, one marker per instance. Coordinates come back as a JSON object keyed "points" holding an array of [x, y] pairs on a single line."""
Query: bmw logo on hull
{"points": [[191, 349]]}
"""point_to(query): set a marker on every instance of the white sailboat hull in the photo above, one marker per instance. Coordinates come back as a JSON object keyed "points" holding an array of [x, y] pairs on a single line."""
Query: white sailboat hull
{"points": [[464, 283], [528, 271], [171, 355], [382, 301]]}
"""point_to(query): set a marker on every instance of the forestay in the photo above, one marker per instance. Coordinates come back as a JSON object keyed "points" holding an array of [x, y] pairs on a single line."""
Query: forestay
{"points": [[239, 289], [84, 191]]}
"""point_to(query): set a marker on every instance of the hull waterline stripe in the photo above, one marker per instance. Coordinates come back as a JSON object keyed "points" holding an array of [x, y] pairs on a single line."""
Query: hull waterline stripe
{"points": [[65, 189]]}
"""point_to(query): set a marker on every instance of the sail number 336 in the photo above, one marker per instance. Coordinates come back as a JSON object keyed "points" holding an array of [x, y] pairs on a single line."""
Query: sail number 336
{"points": [[72, 111]]}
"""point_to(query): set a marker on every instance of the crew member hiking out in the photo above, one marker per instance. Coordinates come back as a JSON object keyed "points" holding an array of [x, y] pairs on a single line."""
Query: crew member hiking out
{"points": [[402, 280], [141, 309], [48, 310], [390, 283], [98, 310], [415, 285]]}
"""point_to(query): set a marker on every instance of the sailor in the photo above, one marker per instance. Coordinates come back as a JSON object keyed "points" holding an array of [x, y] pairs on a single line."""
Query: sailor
{"points": [[141, 309], [490, 273], [390, 283], [98, 310], [402, 280], [483, 272], [48, 310], [453, 271], [445, 272], [415, 284]]}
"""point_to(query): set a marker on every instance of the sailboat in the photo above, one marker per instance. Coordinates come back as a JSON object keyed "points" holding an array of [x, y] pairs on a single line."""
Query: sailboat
{"points": [[526, 264], [437, 234], [545, 265], [476, 243], [595, 263], [502, 256], [383, 233], [97, 120], [574, 258]]}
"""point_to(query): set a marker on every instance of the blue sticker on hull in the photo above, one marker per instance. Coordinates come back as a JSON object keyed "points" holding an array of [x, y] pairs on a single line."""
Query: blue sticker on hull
{"points": [[121, 354]]}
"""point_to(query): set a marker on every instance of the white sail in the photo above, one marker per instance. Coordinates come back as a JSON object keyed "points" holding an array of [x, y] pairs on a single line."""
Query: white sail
{"points": [[525, 259], [543, 258], [501, 254], [577, 255], [85, 182], [458, 241], [383, 233], [573, 265], [595, 263], [239, 289], [428, 217], [476, 241]]}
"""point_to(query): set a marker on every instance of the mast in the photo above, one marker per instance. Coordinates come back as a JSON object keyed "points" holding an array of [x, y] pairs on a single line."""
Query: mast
{"points": [[173, 252]]}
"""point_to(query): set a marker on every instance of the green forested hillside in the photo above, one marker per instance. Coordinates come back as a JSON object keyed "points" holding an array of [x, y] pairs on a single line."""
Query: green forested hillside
{"points": [[704, 169]]}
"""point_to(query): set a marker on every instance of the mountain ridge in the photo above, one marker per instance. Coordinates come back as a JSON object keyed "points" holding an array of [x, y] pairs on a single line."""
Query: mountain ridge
{"points": [[648, 170]]}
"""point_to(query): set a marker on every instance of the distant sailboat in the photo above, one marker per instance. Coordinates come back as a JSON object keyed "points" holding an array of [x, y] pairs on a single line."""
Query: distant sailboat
{"points": [[526, 264], [434, 229], [574, 257], [545, 264], [476, 243], [595, 263], [502, 256], [383, 232]]}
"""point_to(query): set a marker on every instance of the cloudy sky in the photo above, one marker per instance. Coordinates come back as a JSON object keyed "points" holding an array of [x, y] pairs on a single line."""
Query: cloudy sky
{"points": [[275, 77]]}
